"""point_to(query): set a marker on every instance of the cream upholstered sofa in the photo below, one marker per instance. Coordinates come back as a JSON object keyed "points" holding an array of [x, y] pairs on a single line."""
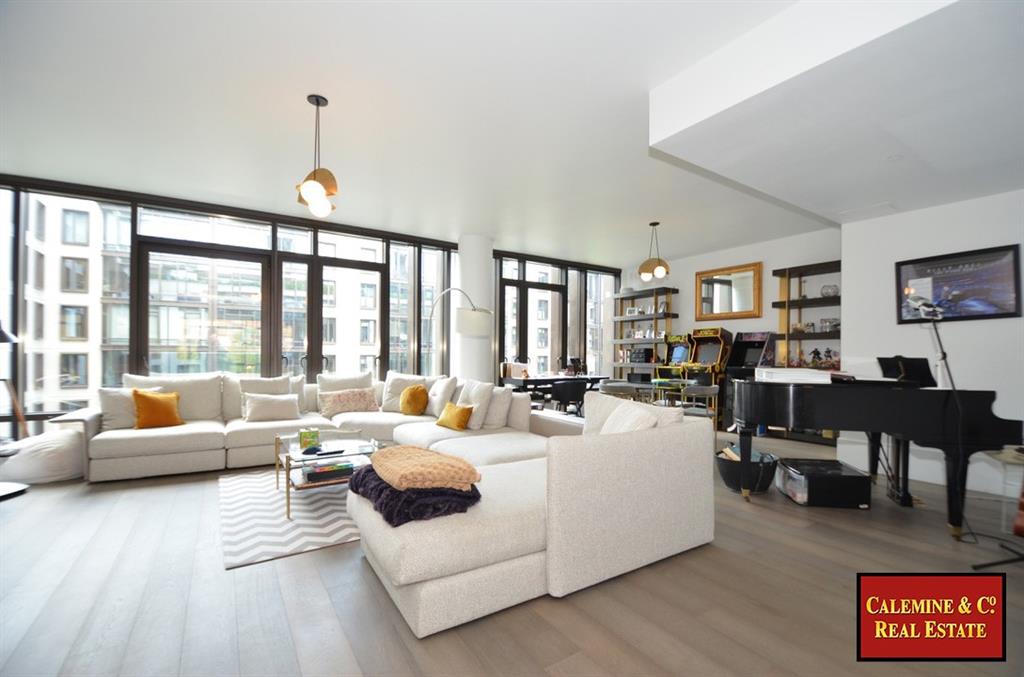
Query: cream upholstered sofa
{"points": [[215, 436], [593, 507]]}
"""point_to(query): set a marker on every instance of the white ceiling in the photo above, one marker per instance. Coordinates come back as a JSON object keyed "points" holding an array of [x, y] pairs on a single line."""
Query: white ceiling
{"points": [[930, 113], [527, 121]]}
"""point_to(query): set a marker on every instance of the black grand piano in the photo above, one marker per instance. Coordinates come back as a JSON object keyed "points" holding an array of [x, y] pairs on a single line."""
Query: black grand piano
{"points": [[925, 416]]}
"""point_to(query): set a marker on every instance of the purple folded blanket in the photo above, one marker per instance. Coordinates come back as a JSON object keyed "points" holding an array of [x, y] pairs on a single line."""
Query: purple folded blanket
{"points": [[398, 507]]}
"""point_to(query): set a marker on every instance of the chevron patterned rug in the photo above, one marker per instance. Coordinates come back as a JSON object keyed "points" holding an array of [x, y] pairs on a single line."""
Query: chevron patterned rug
{"points": [[253, 526]]}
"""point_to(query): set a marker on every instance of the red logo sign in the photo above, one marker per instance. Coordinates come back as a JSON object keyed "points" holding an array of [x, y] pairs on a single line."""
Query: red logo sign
{"points": [[931, 617]]}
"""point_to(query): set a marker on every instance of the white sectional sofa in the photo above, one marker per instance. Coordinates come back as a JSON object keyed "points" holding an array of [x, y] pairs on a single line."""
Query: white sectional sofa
{"points": [[592, 507], [215, 436]]}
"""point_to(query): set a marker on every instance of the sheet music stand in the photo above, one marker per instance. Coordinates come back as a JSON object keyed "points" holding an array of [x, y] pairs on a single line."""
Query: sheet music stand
{"points": [[910, 370]]}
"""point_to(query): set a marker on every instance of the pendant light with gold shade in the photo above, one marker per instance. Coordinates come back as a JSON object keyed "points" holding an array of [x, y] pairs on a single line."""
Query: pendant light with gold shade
{"points": [[320, 183], [654, 266]]}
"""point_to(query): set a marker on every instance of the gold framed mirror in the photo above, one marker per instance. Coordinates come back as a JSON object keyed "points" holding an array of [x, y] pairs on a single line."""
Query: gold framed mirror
{"points": [[730, 293]]}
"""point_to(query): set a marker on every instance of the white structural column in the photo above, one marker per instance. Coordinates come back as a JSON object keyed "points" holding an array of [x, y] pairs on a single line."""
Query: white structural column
{"points": [[473, 357]]}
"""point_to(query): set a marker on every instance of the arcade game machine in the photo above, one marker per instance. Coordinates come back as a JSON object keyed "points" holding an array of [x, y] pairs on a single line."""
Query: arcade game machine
{"points": [[750, 349], [669, 379], [703, 362]]}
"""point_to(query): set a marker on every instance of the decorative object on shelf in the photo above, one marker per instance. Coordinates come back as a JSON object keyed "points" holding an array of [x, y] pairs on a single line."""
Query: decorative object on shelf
{"points": [[729, 293], [632, 310], [661, 334], [804, 328], [815, 357], [828, 324], [830, 290], [320, 183], [654, 266], [638, 333], [472, 321], [663, 307], [980, 284]]}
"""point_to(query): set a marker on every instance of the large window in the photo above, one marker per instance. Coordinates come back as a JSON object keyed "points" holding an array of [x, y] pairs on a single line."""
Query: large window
{"points": [[401, 309], [206, 228], [205, 314], [433, 268], [552, 312], [211, 279]]}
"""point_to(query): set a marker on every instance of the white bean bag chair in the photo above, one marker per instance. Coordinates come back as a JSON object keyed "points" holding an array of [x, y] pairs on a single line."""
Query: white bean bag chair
{"points": [[50, 457]]}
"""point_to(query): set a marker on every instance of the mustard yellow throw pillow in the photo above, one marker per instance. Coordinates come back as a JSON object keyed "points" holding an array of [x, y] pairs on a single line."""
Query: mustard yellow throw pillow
{"points": [[156, 410], [455, 417], [413, 401]]}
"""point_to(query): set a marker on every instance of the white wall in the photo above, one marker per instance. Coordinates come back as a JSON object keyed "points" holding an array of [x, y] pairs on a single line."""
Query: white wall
{"points": [[983, 354], [813, 247]]}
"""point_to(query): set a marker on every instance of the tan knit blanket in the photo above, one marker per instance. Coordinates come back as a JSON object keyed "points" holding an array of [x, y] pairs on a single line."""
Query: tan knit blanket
{"points": [[407, 467]]}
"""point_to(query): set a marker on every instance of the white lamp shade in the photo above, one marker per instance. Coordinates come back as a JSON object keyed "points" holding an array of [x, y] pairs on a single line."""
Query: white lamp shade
{"points": [[473, 321]]}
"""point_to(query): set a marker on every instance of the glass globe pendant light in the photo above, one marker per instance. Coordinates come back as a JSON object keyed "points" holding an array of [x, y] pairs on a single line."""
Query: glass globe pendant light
{"points": [[320, 183], [654, 266]]}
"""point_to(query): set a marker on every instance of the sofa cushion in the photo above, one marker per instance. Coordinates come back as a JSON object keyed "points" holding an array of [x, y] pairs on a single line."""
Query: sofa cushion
{"points": [[329, 382], [191, 436], [425, 434], [272, 407], [477, 395], [378, 425], [200, 393], [440, 394], [242, 433], [414, 400], [519, 412], [628, 417], [497, 409], [508, 522], [278, 385], [395, 385], [505, 445], [599, 407], [156, 410]]}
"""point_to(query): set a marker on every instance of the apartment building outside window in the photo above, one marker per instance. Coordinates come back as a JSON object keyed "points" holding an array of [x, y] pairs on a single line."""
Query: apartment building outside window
{"points": [[330, 330]]}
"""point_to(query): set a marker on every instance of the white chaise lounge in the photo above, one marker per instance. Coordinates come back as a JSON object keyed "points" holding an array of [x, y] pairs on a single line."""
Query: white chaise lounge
{"points": [[593, 507]]}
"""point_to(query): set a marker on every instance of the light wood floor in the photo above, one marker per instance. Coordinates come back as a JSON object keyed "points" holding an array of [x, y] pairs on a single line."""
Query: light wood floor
{"points": [[126, 578]]}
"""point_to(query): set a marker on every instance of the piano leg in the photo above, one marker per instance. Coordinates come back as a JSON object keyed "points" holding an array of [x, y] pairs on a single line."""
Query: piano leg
{"points": [[899, 462], [956, 491], [745, 442], [874, 449], [906, 500]]}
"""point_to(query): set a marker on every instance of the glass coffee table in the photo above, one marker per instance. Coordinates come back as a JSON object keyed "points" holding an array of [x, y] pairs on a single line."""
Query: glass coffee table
{"points": [[335, 445]]}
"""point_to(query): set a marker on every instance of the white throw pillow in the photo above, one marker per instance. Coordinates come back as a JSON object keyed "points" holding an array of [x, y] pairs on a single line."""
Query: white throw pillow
{"points": [[628, 418], [260, 407], [519, 412], [440, 394], [199, 394], [332, 382], [117, 407], [477, 395], [394, 384], [298, 387], [497, 409], [280, 385], [50, 457]]}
